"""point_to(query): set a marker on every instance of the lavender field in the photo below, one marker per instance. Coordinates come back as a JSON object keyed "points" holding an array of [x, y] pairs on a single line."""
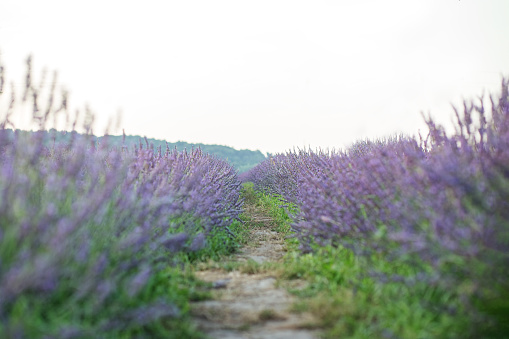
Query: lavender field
{"points": [[92, 236], [94, 239], [436, 206]]}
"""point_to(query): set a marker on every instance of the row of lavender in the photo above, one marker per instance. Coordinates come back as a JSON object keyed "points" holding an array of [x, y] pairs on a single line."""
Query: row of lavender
{"points": [[84, 228], [441, 202]]}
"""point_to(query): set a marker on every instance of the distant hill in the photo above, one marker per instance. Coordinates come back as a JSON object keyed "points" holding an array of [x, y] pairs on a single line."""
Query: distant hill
{"points": [[242, 160]]}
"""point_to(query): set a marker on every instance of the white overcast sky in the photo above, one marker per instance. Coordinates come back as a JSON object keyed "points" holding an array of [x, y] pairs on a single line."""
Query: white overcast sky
{"points": [[268, 75]]}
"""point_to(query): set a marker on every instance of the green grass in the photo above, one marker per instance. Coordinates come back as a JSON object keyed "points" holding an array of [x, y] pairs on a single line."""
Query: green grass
{"points": [[221, 243], [273, 206], [173, 285], [349, 302]]}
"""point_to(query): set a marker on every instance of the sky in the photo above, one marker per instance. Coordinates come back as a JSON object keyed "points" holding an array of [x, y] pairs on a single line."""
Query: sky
{"points": [[268, 75]]}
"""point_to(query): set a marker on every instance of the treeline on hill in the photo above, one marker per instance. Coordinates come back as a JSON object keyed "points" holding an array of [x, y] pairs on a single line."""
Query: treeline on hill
{"points": [[242, 160]]}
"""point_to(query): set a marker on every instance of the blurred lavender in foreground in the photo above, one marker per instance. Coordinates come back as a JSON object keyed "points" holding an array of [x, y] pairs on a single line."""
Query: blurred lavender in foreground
{"points": [[85, 227]]}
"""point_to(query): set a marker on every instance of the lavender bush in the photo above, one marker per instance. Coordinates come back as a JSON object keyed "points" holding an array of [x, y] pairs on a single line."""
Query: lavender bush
{"points": [[439, 202], [86, 229]]}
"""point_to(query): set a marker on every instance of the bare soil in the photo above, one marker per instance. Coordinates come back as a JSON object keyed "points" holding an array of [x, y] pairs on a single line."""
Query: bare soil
{"points": [[247, 301]]}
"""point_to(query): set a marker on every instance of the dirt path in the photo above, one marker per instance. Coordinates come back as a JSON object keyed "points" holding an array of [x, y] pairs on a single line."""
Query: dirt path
{"points": [[247, 301]]}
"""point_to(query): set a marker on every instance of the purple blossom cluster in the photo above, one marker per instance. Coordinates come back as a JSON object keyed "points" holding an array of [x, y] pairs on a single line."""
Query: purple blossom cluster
{"points": [[101, 220], [441, 200], [84, 227]]}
